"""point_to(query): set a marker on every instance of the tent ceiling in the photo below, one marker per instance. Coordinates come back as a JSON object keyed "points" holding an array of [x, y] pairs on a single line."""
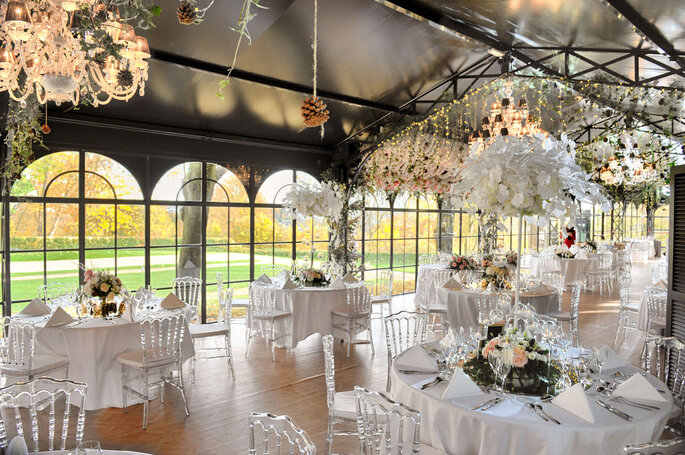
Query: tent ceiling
{"points": [[367, 51]]}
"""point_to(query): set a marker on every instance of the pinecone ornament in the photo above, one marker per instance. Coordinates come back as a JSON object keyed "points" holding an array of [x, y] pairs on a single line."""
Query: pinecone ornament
{"points": [[124, 78], [314, 112], [186, 13]]}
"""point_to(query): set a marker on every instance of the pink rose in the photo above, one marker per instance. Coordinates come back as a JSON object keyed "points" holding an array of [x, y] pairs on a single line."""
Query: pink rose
{"points": [[490, 347], [88, 275], [520, 359], [461, 267]]}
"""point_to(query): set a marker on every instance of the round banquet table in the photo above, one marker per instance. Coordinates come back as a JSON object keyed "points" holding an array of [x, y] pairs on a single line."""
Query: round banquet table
{"points": [[311, 310], [425, 277], [92, 348], [512, 428], [462, 304]]}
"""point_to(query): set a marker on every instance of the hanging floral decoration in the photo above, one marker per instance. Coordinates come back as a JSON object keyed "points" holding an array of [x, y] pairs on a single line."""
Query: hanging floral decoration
{"points": [[313, 109], [326, 200]]}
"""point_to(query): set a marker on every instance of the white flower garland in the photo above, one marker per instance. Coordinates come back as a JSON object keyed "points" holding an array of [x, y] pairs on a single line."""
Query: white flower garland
{"points": [[325, 201]]}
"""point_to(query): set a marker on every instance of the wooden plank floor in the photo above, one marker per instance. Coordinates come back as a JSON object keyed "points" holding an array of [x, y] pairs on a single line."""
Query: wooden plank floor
{"points": [[294, 385]]}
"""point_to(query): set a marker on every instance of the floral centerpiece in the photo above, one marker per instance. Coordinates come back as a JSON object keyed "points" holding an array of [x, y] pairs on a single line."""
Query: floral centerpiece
{"points": [[461, 263], [106, 287], [591, 245], [313, 278], [564, 252], [530, 373], [494, 275], [512, 257]]}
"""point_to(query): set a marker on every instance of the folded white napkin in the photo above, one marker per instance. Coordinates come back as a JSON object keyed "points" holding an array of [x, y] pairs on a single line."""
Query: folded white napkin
{"points": [[128, 312], [448, 340], [59, 317], [17, 446], [171, 301], [611, 359], [662, 284], [337, 284], [349, 278], [460, 385], [576, 402], [452, 283], [140, 293], [263, 279], [36, 307], [416, 359], [289, 284], [638, 387]]}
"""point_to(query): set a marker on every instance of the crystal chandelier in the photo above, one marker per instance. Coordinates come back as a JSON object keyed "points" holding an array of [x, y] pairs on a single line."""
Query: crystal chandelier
{"points": [[45, 51]]}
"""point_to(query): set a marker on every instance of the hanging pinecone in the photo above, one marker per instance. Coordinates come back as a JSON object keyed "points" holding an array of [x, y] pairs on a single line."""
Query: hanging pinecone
{"points": [[314, 112], [124, 78], [186, 12]]}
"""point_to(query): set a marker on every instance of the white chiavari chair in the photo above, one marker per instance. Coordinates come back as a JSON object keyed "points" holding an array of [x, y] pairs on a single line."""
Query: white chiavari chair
{"points": [[426, 259], [355, 317], [571, 317], [342, 411], [276, 434], [18, 357], [266, 320], [387, 427], [664, 357], [436, 313], [188, 289], [656, 309], [667, 447], [402, 331], [221, 331], [381, 291], [441, 276], [41, 397], [603, 274], [235, 302], [161, 339], [626, 308], [555, 280]]}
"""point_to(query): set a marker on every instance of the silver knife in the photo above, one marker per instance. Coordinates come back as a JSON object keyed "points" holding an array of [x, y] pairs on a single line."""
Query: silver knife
{"points": [[537, 411], [484, 404], [612, 409], [624, 400], [417, 372], [435, 381], [488, 406], [539, 406]]}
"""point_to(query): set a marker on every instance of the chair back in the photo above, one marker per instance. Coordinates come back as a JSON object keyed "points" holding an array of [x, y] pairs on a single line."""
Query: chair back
{"points": [[605, 261], [554, 279], [358, 298], [424, 291], [329, 370], [272, 270], [188, 289], [426, 259], [385, 284], [404, 330], [274, 434], [225, 307], [486, 303], [262, 299], [623, 260], [656, 304], [664, 357], [440, 277], [219, 284], [161, 339], [668, 447], [386, 427], [40, 396], [18, 350], [548, 264], [624, 290]]}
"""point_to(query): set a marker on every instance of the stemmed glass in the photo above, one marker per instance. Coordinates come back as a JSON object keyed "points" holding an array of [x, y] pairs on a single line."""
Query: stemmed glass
{"points": [[88, 448], [500, 367], [484, 321]]}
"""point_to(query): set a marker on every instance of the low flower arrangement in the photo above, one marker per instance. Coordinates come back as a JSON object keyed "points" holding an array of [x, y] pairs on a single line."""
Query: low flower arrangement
{"points": [[313, 278], [461, 263], [512, 257], [592, 245], [497, 276], [564, 253], [105, 286], [530, 373]]}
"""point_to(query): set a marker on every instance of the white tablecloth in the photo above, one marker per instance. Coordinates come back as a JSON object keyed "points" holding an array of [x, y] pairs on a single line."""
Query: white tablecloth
{"points": [[642, 250], [462, 304], [92, 348], [311, 309], [426, 276], [574, 269], [512, 428]]}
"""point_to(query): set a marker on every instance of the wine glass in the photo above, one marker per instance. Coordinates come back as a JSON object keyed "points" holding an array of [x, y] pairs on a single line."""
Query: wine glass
{"points": [[88, 448], [493, 360], [503, 368]]}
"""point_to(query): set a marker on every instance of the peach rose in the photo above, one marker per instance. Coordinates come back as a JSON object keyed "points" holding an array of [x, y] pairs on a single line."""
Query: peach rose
{"points": [[490, 347], [520, 360], [104, 287]]}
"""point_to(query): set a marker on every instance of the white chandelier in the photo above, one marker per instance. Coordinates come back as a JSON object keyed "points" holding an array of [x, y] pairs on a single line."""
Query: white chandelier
{"points": [[42, 52]]}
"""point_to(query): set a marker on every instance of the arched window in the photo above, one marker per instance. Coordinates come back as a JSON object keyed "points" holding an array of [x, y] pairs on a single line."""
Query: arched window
{"points": [[72, 208]]}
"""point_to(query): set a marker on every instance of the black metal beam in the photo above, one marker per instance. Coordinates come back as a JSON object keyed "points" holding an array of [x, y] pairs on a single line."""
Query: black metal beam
{"points": [[646, 29], [219, 70]]}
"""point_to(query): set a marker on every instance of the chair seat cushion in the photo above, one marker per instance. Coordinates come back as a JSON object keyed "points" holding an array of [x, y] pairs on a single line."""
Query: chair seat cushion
{"points": [[345, 406], [134, 359], [207, 330], [343, 312], [42, 363], [437, 308], [560, 315], [276, 315], [380, 299], [632, 307]]}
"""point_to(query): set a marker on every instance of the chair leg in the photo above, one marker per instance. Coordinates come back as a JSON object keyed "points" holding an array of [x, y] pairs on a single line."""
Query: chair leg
{"points": [[249, 338], [182, 388], [349, 336], [162, 387], [373, 351], [145, 399], [329, 436], [229, 354], [192, 368], [618, 329], [124, 380], [273, 341]]}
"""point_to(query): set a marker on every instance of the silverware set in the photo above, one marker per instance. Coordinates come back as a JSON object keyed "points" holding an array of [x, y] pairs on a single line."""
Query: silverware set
{"points": [[646, 407], [488, 404], [615, 411], [436, 381], [537, 407]]}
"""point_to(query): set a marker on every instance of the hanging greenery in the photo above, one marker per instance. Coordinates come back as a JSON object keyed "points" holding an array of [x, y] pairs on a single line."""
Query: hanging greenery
{"points": [[23, 133]]}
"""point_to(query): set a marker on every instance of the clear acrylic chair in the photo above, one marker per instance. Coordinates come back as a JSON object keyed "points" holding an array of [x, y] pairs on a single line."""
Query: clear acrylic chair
{"points": [[626, 308], [668, 447], [402, 331], [272, 270], [161, 340], [571, 317], [664, 357], [426, 259], [603, 274], [555, 280], [342, 411], [355, 317], [43, 395], [266, 320], [436, 314], [235, 302], [441, 276], [274, 434], [188, 289], [656, 309], [387, 427], [18, 357], [221, 331], [383, 291]]}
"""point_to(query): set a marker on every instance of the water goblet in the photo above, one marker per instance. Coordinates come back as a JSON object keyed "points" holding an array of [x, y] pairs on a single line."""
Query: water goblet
{"points": [[88, 448], [503, 369]]}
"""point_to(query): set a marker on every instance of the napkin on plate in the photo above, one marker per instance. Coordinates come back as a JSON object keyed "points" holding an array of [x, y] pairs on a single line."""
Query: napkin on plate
{"points": [[416, 359], [452, 283], [35, 307], [638, 387], [289, 284], [337, 284], [17, 446], [349, 278], [460, 385], [59, 317], [611, 359], [576, 402], [171, 302], [263, 279]]}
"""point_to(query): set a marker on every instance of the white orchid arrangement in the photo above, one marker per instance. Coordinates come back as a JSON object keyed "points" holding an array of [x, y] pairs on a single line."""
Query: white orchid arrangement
{"points": [[326, 200], [531, 176]]}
